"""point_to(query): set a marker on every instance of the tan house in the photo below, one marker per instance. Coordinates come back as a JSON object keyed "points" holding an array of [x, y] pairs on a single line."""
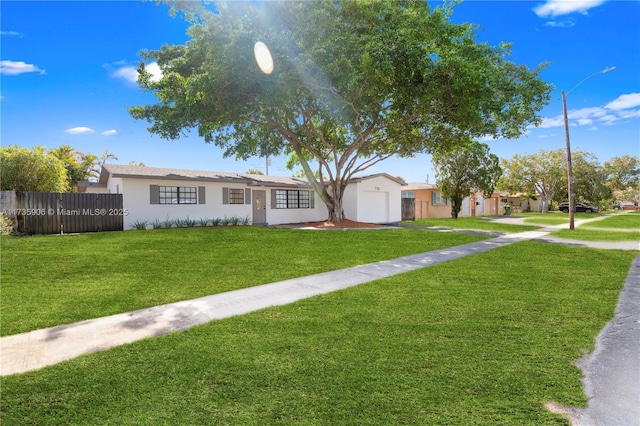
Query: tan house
{"points": [[519, 203], [424, 200]]}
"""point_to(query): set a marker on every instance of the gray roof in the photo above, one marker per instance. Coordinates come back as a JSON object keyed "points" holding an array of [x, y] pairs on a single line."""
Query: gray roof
{"points": [[414, 186], [144, 172]]}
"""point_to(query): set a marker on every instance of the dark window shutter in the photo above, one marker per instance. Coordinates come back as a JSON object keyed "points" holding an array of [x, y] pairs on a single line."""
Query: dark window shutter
{"points": [[154, 194], [225, 195], [201, 197], [273, 198], [312, 199], [433, 198], [247, 196]]}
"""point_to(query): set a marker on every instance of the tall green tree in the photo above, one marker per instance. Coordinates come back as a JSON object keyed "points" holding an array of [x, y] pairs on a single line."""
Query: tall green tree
{"points": [[464, 171], [543, 173], [590, 179], [80, 166], [24, 170], [353, 84], [623, 172]]}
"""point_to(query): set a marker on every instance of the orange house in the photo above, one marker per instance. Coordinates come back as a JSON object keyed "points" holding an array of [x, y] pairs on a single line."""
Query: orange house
{"points": [[424, 200]]}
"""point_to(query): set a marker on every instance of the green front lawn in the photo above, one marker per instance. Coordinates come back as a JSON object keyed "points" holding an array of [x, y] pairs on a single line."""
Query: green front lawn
{"points": [[557, 218], [626, 221], [482, 223], [483, 340], [51, 280], [595, 235]]}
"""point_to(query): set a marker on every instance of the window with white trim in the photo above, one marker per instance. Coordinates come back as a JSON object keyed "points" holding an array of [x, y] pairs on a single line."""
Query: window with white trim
{"points": [[438, 199]]}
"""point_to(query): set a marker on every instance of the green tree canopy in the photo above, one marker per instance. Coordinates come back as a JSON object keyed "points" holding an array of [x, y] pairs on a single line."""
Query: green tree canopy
{"points": [[543, 173], [464, 171], [589, 179], [24, 169], [623, 172], [353, 84], [80, 166]]}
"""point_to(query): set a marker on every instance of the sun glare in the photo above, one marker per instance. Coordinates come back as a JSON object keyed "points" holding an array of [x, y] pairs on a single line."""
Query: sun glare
{"points": [[263, 57]]}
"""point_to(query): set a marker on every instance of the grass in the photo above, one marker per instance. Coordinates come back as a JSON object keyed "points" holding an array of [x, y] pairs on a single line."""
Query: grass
{"points": [[486, 339], [557, 218], [479, 223], [51, 280], [594, 235], [625, 221]]}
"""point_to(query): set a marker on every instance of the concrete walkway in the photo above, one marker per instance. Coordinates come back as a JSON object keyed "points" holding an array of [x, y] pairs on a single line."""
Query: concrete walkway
{"points": [[40, 348]]}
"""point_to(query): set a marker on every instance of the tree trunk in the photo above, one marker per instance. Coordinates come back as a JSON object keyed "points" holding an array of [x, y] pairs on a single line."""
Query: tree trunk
{"points": [[336, 212], [333, 201], [456, 206]]}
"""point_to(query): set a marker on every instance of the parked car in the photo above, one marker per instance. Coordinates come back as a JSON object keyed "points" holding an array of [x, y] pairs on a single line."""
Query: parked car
{"points": [[580, 208]]}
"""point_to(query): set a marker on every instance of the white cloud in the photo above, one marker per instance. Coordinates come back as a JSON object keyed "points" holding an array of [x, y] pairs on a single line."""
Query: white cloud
{"points": [[625, 107], [130, 73], [568, 23], [553, 8], [549, 122], [12, 33], [79, 131], [630, 100], [109, 132], [18, 67]]}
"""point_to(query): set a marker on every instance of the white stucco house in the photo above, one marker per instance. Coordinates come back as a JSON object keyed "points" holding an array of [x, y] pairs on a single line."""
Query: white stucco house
{"points": [[151, 193]]}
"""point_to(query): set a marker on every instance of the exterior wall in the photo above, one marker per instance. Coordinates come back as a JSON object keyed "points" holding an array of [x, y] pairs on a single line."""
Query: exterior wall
{"points": [[280, 216], [425, 208], [137, 203], [373, 200], [520, 204], [492, 205]]}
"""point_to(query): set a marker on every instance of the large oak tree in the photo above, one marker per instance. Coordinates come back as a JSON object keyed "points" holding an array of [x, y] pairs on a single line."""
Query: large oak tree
{"points": [[353, 84]]}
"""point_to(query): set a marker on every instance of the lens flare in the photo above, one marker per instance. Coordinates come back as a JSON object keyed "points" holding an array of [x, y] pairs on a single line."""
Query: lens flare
{"points": [[263, 57]]}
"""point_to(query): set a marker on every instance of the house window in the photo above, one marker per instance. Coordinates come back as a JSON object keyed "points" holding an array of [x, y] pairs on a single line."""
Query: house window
{"points": [[177, 195], [236, 196], [408, 194], [437, 199], [292, 199]]}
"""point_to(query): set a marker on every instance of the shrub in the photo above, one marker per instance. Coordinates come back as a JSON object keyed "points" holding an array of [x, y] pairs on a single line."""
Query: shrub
{"points": [[140, 224], [156, 224], [189, 222], [204, 221], [6, 225], [216, 221], [168, 223]]}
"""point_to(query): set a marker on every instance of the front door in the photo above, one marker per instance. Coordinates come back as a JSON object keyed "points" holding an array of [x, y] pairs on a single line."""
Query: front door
{"points": [[259, 207]]}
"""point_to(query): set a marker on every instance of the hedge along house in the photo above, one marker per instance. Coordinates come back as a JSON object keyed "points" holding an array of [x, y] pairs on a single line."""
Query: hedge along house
{"points": [[158, 194], [429, 203]]}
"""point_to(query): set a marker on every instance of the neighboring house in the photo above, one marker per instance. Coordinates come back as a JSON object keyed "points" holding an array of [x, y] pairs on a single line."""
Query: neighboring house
{"points": [[519, 203], [428, 202], [151, 193]]}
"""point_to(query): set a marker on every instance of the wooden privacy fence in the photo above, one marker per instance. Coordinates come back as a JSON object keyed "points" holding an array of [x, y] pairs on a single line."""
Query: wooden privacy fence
{"points": [[408, 208], [53, 213]]}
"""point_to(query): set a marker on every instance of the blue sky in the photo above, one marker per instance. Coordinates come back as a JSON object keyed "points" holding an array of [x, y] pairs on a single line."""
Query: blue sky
{"points": [[68, 70]]}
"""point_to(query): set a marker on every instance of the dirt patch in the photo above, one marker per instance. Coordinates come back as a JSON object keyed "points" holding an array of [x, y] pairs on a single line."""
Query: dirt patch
{"points": [[345, 224]]}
